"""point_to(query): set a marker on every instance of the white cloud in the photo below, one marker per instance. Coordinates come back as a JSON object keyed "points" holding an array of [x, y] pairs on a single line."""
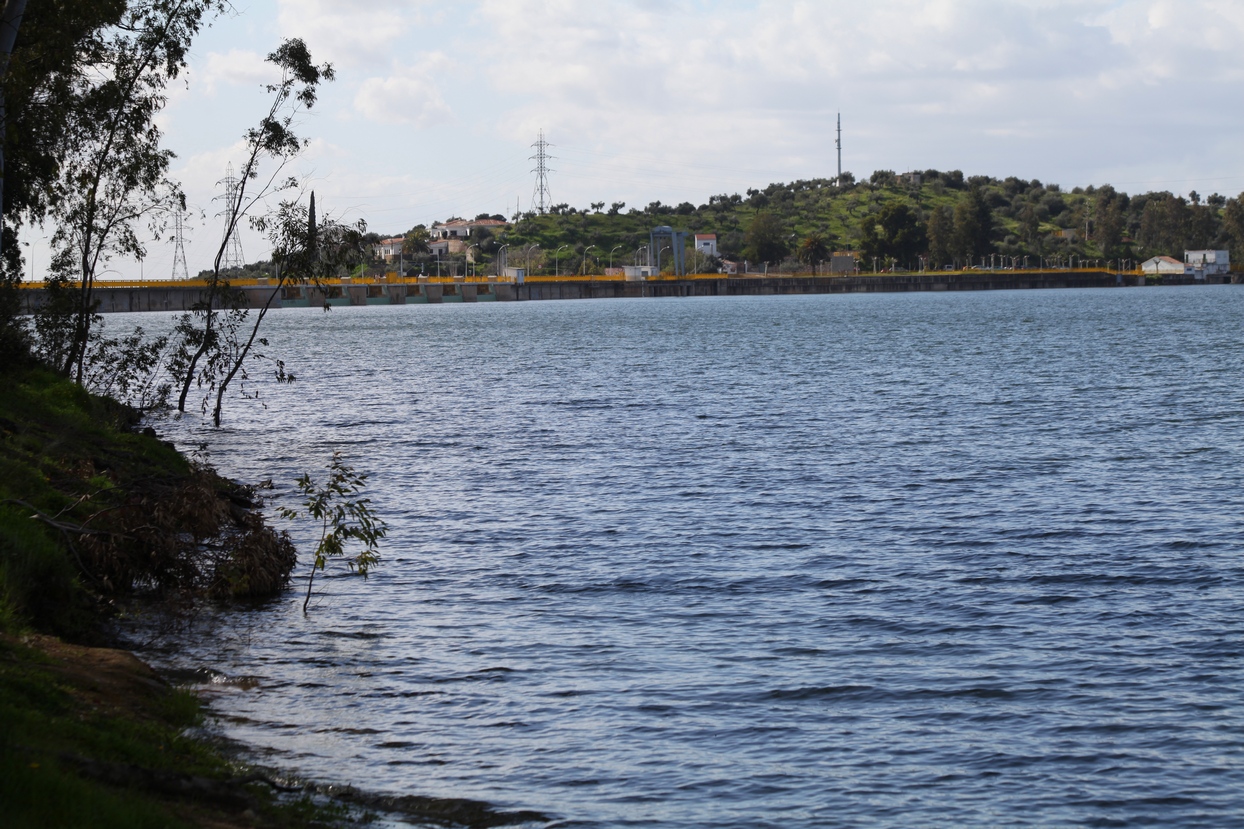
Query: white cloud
{"points": [[1010, 86], [409, 95], [237, 67], [352, 33]]}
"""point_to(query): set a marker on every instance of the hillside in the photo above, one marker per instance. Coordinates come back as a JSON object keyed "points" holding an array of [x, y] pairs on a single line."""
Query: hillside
{"points": [[893, 220]]}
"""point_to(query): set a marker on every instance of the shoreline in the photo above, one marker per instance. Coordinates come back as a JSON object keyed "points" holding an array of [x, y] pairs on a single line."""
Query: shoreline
{"points": [[116, 691], [97, 515]]}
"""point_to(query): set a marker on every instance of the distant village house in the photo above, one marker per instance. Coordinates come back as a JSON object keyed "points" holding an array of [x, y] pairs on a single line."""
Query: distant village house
{"points": [[462, 228], [389, 249]]}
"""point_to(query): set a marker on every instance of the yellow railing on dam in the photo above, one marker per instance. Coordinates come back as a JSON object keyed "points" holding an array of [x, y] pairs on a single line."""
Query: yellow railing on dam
{"points": [[547, 278]]}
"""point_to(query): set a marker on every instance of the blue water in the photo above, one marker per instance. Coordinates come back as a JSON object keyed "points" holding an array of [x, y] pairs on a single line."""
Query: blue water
{"points": [[870, 560]]}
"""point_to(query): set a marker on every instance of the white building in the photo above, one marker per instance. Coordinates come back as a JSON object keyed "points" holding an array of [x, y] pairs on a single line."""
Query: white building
{"points": [[389, 249], [456, 229], [706, 244], [636, 273], [462, 228], [1202, 263], [1160, 265]]}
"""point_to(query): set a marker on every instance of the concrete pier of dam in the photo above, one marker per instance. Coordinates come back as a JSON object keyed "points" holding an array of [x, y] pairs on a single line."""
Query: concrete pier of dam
{"points": [[182, 296]]}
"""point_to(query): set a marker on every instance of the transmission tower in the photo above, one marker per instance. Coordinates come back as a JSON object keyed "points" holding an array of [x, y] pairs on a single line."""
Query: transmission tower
{"points": [[233, 257], [540, 198], [180, 271]]}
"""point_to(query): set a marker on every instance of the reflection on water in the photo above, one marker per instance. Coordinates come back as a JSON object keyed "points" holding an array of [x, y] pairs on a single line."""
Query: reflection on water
{"points": [[967, 560]]}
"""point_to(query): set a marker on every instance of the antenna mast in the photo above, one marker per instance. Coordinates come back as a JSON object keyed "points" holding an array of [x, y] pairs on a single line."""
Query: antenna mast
{"points": [[838, 180], [233, 257], [180, 271], [541, 199]]}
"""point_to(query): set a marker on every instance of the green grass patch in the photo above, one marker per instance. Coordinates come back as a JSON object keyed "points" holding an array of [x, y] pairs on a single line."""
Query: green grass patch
{"points": [[80, 748], [41, 795]]}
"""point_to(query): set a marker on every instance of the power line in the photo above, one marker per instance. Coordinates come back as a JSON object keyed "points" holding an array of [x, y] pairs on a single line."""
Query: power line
{"points": [[541, 199]]}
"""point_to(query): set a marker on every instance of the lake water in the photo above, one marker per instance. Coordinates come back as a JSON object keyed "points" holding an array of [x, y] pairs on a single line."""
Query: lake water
{"points": [[967, 559]]}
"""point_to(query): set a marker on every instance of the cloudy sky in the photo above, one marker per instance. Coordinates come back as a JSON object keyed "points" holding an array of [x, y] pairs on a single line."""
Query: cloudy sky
{"points": [[436, 105]]}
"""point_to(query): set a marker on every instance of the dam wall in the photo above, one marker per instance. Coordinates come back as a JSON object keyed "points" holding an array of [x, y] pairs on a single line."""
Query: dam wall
{"points": [[179, 297]]}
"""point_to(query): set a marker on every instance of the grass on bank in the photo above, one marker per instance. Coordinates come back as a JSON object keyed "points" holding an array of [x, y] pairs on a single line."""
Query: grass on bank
{"points": [[91, 737], [62, 452]]}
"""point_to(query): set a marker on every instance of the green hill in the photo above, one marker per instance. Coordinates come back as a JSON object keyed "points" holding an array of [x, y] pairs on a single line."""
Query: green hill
{"points": [[940, 218]]}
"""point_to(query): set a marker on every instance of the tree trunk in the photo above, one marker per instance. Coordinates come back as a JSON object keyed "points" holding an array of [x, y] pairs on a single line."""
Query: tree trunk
{"points": [[10, 22], [246, 350], [203, 346]]}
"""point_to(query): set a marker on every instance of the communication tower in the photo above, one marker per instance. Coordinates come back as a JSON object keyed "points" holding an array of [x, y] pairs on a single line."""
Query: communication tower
{"points": [[540, 198], [232, 257], [838, 180], [180, 271]]}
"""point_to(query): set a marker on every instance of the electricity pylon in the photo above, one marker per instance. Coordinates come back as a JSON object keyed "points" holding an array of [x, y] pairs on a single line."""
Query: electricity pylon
{"points": [[541, 200], [233, 257], [180, 271]]}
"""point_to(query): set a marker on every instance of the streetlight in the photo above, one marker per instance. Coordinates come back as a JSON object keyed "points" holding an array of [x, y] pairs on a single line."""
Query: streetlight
{"points": [[500, 258], [583, 267], [637, 251], [468, 256], [659, 252], [557, 260], [611, 257], [527, 256]]}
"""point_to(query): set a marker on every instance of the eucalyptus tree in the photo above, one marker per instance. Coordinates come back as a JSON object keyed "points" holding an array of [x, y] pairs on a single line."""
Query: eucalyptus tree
{"points": [[200, 359], [113, 170], [894, 232], [766, 237], [12, 333], [973, 226], [10, 23], [45, 48], [1233, 225], [940, 231]]}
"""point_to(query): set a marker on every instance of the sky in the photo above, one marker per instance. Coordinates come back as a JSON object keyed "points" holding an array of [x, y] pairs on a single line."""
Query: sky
{"points": [[436, 105]]}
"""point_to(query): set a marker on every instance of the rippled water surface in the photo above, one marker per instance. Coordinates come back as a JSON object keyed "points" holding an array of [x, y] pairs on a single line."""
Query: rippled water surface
{"points": [[887, 560]]}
